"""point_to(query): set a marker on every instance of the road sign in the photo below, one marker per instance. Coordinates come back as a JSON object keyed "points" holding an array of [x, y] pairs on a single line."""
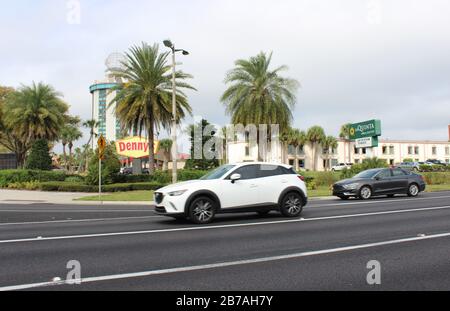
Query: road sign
{"points": [[371, 128], [367, 142], [101, 143]]}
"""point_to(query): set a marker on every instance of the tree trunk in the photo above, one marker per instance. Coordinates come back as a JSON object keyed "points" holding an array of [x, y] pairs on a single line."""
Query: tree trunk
{"points": [[314, 156], [69, 166], [151, 146], [65, 154], [296, 159]]}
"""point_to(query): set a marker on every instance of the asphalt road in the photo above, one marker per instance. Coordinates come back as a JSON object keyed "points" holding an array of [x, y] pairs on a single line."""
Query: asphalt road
{"points": [[131, 248]]}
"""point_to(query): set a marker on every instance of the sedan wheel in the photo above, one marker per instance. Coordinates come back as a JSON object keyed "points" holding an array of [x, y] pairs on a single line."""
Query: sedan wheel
{"points": [[413, 190], [365, 193], [292, 205], [202, 210]]}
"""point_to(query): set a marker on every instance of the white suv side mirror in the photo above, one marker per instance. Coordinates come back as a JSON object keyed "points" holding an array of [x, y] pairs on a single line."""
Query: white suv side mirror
{"points": [[235, 177]]}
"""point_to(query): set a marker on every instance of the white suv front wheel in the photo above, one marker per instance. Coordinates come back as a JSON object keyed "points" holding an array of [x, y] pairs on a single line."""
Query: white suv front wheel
{"points": [[202, 210], [291, 205]]}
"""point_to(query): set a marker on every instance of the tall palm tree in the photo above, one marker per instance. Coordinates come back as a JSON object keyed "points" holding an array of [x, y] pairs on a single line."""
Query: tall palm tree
{"points": [[144, 100], [69, 134], [315, 137], [285, 139], [258, 95], [329, 143], [165, 145], [345, 135]]}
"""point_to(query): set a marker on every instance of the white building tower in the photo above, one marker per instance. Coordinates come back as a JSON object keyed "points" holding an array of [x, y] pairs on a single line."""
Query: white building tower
{"points": [[103, 95]]}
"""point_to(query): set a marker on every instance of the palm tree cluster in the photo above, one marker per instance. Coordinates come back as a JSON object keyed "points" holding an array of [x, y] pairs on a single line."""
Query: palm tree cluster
{"points": [[315, 137], [32, 113]]}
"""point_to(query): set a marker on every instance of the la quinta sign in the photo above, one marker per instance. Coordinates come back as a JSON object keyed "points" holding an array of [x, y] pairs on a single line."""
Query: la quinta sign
{"points": [[134, 147], [366, 134]]}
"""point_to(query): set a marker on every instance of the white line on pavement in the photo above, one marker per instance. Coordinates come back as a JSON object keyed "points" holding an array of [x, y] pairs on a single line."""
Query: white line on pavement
{"points": [[375, 201], [97, 235], [73, 211], [76, 220], [225, 264]]}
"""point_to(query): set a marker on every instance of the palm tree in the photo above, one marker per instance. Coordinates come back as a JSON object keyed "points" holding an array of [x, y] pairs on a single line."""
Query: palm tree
{"points": [[257, 95], [328, 144], [345, 135], [285, 140], [34, 112], [69, 134], [314, 137], [297, 139], [144, 101], [91, 125], [165, 145]]}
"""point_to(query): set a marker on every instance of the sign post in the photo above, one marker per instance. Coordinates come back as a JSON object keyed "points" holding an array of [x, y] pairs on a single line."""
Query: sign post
{"points": [[101, 143]]}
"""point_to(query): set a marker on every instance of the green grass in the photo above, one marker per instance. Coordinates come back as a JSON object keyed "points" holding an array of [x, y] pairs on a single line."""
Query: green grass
{"points": [[434, 188], [131, 196], [142, 196]]}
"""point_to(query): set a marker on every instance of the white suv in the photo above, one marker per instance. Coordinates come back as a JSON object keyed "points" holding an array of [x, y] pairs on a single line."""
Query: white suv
{"points": [[243, 187]]}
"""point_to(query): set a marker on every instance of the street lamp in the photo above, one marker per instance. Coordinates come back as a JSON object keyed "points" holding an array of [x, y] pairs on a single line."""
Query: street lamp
{"points": [[171, 46]]}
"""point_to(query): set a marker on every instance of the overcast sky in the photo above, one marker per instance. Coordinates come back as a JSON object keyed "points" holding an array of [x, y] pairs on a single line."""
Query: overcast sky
{"points": [[356, 59]]}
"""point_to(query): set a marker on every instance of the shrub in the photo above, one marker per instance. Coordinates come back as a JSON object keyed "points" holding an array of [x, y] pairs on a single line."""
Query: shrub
{"points": [[110, 167], [67, 187], [322, 178], [39, 158], [80, 187], [75, 179], [365, 165], [437, 178], [27, 185], [21, 176]]}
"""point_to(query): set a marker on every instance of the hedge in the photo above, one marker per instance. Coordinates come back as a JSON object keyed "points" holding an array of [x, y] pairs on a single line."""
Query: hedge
{"points": [[8, 177], [80, 187], [164, 177], [437, 178]]}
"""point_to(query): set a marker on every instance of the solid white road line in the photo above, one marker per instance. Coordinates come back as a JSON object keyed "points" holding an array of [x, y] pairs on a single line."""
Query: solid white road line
{"points": [[73, 211], [76, 220], [225, 264], [97, 235], [374, 201]]}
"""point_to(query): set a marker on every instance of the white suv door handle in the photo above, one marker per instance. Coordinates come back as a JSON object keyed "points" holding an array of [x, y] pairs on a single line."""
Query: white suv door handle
{"points": [[253, 186], [284, 181]]}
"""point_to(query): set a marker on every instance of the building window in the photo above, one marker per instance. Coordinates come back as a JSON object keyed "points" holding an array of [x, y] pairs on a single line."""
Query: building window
{"points": [[364, 150], [385, 149], [247, 151], [301, 163], [410, 150], [291, 162], [356, 161], [447, 150], [434, 150], [356, 151], [391, 162]]}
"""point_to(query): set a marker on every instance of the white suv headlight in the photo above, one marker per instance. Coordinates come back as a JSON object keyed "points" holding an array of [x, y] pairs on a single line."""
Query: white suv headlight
{"points": [[351, 186], [177, 193]]}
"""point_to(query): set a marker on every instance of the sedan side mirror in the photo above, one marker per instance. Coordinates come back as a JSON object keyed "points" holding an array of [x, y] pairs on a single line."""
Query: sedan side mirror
{"points": [[235, 177]]}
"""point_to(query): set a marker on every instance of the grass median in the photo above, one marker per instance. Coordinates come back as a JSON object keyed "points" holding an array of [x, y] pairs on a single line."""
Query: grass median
{"points": [[143, 196]]}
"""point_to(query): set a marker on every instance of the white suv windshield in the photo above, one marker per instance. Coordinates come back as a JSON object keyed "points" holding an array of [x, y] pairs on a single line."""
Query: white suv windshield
{"points": [[218, 172]]}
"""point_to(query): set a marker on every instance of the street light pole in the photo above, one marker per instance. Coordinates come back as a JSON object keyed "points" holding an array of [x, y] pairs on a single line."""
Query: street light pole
{"points": [[170, 45], [174, 121]]}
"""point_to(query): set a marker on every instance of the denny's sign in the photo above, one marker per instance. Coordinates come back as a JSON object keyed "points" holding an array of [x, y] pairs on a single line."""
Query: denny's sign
{"points": [[134, 147]]}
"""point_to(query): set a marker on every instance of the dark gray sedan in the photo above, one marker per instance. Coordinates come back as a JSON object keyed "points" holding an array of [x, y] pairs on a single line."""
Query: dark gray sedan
{"points": [[378, 182]]}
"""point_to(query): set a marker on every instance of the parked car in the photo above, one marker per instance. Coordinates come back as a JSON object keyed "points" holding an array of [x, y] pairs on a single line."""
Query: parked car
{"points": [[126, 170], [242, 187], [435, 162], [341, 166], [411, 166], [380, 181]]}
